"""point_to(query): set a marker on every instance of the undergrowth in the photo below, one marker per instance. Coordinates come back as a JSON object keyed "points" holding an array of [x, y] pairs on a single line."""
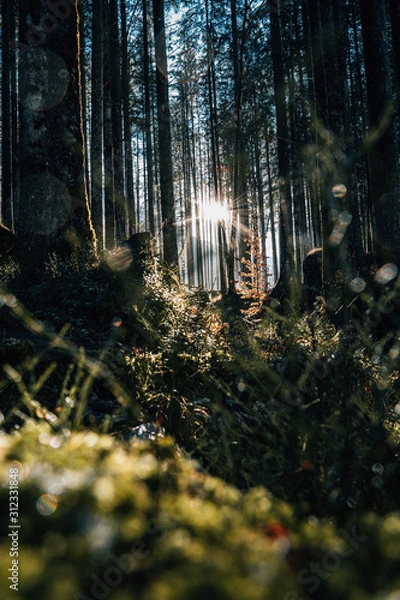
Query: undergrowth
{"points": [[289, 404]]}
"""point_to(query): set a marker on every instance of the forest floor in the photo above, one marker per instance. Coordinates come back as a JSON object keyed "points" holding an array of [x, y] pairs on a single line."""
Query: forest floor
{"points": [[173, 444]]}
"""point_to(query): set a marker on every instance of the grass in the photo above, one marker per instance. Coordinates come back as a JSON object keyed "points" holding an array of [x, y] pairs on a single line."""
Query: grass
{"points": [[272, 441]]}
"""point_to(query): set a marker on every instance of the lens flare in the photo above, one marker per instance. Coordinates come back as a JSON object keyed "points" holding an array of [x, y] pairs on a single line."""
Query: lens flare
{"points": [[47, 504], [339, 190], [386, 273]]}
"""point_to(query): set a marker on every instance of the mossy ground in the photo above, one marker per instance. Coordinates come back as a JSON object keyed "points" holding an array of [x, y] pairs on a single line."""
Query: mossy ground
{"points": [[275, 471]]}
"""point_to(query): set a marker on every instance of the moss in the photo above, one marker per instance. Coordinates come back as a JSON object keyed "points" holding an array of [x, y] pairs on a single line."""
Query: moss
{"points": [[272, 439], [91, 498]]}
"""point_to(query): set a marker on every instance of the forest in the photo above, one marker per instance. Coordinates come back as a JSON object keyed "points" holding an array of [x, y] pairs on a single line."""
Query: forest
{"points": [[200, 299]]}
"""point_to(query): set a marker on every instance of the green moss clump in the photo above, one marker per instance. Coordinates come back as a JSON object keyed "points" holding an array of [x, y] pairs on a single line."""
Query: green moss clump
{"points": [[88, 504]]}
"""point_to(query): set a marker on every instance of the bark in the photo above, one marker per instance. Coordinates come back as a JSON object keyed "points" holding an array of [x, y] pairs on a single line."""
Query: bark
{"points": [[164, 137], [240, 206], [381, 141], [148, 128], [116, 122], [53, 197], [97, 121], [131, 215], [285, 288], [8, 151], [109, 188]]}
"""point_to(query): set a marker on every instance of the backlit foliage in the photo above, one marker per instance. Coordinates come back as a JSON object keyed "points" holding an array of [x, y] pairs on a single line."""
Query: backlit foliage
{"points": [[236, 451]]}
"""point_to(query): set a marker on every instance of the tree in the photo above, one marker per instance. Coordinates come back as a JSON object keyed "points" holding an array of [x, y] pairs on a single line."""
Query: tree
{"points": [[164, 137], [147, 121], [53, 210], [127, 164], [286, 275], [97, 114], [381, 140], [118, 171], [240, 206], [8, 96]]}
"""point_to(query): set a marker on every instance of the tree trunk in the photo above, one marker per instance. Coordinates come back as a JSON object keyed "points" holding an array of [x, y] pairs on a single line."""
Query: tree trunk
{"points": [[285, 288], [8, 91], [271, 210], [164, 137], [53, 202], [148, 128], [116, 121], [131, 215], [97, 121], [395, 22], [381, 141], [240, 206], [109, 189]]}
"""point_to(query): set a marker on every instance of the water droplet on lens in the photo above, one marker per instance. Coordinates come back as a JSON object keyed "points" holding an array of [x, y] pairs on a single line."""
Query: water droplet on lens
{"points": [[333, 496], [56, 442], [335, 238], [377, 468], [345, 218], [44, 439], [11, 301], [357, 285], [47, 504], [41, 213], [386, 273], [51, 417], [37, 67], [351, 503], [339, 190]]}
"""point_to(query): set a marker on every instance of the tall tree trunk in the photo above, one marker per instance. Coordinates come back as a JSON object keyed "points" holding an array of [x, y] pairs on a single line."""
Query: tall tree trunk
{"points": [[271, 209], [187, 217], [53, 195], [8, 151], [97, 120], [381, 142], [260, 201], [109, 187], [127, 133], [284, 288], [215, 163], [240, 206], [148, 128], [164, 137], [395, 22], [116, 112]]}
